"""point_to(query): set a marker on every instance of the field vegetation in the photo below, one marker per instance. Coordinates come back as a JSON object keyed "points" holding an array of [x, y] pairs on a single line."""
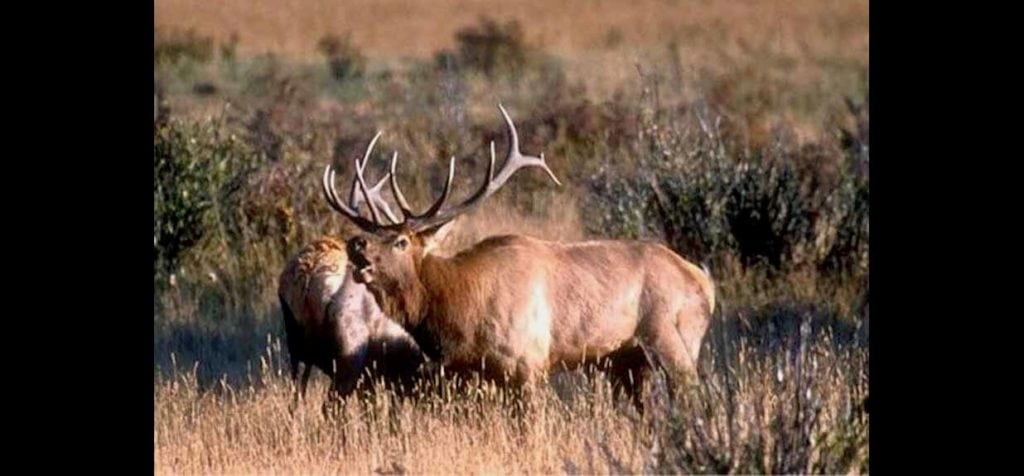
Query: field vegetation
{"points": [[734, 132]]}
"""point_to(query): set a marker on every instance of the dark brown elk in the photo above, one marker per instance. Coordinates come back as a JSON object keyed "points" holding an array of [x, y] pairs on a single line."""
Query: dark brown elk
{"points": [[333, 323], [515, 307]]}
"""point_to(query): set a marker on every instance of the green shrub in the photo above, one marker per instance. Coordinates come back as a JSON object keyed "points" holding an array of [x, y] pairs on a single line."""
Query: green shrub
{"points": [[707, 196], [343, 58], [194, 165], [490, 47], [174, 46], [795, 407]]}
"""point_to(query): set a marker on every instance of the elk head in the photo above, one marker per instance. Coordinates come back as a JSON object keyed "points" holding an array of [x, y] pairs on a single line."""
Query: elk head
{"points": [[387, 256]]}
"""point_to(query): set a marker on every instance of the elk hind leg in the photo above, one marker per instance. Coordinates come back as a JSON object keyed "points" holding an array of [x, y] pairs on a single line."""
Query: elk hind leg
{"points": [[670, 353]]}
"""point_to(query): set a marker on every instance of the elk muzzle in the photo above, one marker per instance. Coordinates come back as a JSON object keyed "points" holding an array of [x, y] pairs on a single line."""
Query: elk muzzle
{"points": [[362, 269]]}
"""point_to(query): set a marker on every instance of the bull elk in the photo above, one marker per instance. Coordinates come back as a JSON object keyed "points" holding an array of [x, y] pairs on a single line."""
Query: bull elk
{"points": [[515, 307], [333, 323]]}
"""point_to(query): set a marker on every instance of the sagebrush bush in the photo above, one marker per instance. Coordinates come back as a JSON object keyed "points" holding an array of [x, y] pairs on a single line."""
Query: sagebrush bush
{"points": [[494, 49], [194, 166], [344, 59], [171, 47], [706, 194], [686, 180], [813, 422]]}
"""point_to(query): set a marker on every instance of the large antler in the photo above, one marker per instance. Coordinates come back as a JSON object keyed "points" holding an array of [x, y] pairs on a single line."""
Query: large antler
{"points": [[351, 210], [433, 217], [514, 161]]}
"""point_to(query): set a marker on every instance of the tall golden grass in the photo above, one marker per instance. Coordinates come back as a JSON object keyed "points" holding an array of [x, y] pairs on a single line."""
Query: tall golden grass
{"points": [[778, 418]]}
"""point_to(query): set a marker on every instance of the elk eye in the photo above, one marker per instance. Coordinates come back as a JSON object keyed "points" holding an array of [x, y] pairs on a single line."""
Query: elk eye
{"points": [[401, 243]]}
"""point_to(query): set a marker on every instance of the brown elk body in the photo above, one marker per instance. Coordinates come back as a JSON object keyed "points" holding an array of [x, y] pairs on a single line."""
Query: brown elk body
{"points": [[519, 307]]}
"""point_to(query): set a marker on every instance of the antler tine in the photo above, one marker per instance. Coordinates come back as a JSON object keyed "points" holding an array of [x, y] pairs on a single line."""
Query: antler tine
{"points": [[480, 192], [374, 213], [513, 162], [400, 197], [376, 191], [490, 168], [355, 199], [325, 182], [447, 190], [403, 205], [332, 199], [516, 157], [372, 195]]}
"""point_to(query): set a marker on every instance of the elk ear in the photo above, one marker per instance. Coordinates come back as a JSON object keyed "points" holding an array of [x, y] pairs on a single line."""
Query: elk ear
{"points": [[432, 237]]}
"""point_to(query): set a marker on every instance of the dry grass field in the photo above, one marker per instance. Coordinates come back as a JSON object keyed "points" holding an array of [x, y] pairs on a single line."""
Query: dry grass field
{"points": [[779, 419], [750, 116]]}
